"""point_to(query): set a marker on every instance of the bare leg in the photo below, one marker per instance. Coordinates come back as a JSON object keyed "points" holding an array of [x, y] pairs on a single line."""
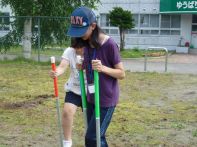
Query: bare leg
{"points": [[67, 120]]}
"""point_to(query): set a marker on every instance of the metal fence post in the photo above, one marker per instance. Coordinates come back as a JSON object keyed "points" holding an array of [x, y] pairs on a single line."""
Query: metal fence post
{"points": [[145, 60], [39, 39], [156, 48]]}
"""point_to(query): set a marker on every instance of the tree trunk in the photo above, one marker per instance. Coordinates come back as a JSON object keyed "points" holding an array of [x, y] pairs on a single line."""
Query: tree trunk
{"points": [[122, 36], [27, 38], [123, 39]]}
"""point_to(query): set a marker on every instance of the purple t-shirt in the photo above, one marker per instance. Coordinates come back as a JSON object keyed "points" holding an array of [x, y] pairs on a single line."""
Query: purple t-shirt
{"points": [[109, 55]]}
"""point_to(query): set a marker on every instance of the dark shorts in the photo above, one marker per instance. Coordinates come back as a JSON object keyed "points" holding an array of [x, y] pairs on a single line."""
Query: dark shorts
{"points": [[73, 99]]}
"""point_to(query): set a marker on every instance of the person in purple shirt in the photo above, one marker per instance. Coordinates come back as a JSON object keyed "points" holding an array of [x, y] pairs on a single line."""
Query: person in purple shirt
{"points": [[102, 54]]}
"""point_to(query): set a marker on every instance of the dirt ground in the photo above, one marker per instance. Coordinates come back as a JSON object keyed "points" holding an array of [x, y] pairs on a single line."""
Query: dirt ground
{"points": [[154, 110]]}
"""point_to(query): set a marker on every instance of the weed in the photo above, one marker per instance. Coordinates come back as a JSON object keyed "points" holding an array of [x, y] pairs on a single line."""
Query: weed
{"points": [[194, 133]]}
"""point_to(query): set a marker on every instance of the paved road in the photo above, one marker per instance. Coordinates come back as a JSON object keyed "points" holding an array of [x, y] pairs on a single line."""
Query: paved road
{"points": [[178, 63]]}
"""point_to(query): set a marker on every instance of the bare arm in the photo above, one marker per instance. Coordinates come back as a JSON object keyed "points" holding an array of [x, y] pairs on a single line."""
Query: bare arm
{"points": [[60, 69], [117, 72]]}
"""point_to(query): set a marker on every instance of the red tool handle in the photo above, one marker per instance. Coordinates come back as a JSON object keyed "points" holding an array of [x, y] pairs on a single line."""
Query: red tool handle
{"points": [[55, 79]]}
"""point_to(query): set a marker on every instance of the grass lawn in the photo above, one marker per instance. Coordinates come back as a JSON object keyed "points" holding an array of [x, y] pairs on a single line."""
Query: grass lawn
{"points": [[57, 51], [137, 53], [18, 50], [154, 109]]}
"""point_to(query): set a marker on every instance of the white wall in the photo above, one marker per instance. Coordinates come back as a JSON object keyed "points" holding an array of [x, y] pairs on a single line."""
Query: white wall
{"points": [[147, 7], [137, 6], [186, 27], [143, 42], [5, 9]]}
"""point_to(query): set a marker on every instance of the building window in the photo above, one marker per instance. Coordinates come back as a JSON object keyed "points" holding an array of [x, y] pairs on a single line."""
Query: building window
{"points": [[154, 21], [165, 21], [131, 31], [135, 29], [135, 18], [194, 28], [144, 32], [165, 32], [194, 18], [4, 22], [170, 25], [151, 20], [104, 20], [175, 32], [113, 31], [194, 23], [154, 32], [149, 24], [106, 31], [175, 21], [144, 20]]}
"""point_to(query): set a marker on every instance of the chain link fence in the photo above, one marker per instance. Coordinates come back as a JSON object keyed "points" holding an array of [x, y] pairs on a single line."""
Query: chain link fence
{"points": [[34, 37]]}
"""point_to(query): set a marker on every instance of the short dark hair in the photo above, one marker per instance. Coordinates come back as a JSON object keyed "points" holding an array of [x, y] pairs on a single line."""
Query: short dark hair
{"points": [[78, 43]]}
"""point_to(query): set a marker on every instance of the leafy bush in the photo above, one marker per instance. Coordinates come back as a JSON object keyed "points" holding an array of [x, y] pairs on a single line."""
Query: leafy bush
{"points": [[136, 49], [6, 42]]}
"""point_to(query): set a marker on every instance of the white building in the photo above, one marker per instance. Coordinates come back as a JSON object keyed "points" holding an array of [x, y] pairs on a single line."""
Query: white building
{"points": [[5, 20], [157, 22]]}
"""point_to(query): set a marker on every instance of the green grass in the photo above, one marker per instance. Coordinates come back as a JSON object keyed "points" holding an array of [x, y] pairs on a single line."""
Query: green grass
{"points": [[18, 50], [154, 109], [138, 53], [21, 60], [194, 133], [135, 53], [57, 51]]}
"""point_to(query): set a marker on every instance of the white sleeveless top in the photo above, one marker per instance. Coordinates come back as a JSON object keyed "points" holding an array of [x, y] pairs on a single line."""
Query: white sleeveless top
{"points": [[73, 83]]}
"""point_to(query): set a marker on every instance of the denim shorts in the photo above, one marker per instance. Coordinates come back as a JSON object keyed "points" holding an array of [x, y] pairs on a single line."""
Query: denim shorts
{"points": [[73, 98]]}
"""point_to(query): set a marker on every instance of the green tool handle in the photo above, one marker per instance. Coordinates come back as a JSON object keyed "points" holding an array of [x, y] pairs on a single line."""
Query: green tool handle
{"points": [[97, 98], [83, 97], [82, 85], [97, 108]]}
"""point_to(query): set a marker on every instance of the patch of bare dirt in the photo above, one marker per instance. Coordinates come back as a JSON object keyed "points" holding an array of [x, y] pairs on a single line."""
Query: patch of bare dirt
{"points": [[27, 104]]}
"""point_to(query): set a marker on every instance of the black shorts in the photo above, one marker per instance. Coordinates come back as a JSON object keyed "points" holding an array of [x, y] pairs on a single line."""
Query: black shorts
{"points": [[73, 99]]}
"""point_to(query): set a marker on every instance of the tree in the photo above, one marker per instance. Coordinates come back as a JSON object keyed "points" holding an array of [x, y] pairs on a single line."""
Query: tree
{"points": [[50, 29], [122, 19]]}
